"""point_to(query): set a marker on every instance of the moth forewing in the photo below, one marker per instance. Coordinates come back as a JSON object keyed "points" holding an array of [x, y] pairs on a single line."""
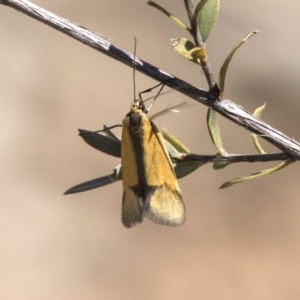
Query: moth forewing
{"points": [[150, 187], [164, 205], [131, 209]]}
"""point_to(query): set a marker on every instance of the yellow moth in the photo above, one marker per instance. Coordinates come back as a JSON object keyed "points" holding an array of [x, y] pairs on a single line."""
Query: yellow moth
{"points": [[150, 187]]}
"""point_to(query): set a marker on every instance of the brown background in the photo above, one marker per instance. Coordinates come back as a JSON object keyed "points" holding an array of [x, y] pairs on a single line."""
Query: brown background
{"points": [[238, 243]]}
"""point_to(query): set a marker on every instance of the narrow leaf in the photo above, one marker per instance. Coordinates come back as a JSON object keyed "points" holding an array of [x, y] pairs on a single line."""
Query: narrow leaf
{"points": [[186, 168], [175, 149], [175, 142], [212, 121], [174, 19], [96, 183], [257, 174], [225, 65], [101, 142], [89, 185], [257, 113]]}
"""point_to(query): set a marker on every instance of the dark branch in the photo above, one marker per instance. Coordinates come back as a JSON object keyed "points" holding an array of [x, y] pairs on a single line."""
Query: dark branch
{"points": [[226, 108], [234, 158]]}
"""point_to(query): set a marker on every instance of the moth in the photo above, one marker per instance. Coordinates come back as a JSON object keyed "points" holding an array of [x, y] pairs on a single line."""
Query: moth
{"points": [[150, 187]]}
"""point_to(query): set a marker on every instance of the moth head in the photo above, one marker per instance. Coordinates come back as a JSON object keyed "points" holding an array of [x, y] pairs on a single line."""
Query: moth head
{"points": [[138, 104]]}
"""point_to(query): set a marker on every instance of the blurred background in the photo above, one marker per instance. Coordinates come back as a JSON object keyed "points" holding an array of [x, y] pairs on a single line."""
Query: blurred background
{"points": [[238, 243]]}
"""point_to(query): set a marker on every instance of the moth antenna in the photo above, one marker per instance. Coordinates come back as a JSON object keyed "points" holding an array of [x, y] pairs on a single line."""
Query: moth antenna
{"points": [[134, 68]]}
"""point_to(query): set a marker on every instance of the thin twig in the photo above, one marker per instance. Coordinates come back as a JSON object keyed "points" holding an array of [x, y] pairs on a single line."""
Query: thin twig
{"points": [[235, 158], [190, 7], [226, 107]]}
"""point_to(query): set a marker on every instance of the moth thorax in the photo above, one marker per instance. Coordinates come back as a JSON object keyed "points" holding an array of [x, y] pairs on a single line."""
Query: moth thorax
{"points": [[135, 120]]}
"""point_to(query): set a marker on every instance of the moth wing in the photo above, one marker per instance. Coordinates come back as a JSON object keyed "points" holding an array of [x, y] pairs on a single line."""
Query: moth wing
{"points": [[163, 201], [131, 208], [165, 207]]}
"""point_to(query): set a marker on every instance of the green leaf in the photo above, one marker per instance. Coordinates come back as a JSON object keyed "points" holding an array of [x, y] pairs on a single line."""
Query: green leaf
{"points": [[108, 145], [96, 183], [175, 142], [89, 185], [174, 19], [185, 168], [176, 149], [212, 121], [225, 65], [206, 14], [257, 113], [184, 47], [257, 174]]}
